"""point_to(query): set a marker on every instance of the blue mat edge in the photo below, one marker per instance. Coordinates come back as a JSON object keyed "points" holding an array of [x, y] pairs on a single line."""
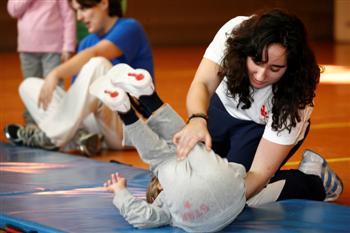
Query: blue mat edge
{"points": [[25, 225]]}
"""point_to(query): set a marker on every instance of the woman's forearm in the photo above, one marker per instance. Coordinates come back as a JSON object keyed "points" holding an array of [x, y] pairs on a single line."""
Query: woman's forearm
{"points": [[104, 49], [73, 65], [254, 183], [267, 160], [197, 99], [202, 87]]}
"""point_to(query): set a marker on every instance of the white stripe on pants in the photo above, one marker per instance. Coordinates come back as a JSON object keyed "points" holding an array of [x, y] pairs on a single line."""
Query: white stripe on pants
{"points": [[76, 108]]}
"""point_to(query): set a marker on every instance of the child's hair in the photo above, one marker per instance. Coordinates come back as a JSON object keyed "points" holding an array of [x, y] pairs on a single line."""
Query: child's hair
{"points": [[153, 190]]}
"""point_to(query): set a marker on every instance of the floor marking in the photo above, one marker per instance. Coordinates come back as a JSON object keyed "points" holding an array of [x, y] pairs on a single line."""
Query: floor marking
{"points": [[330, 125], [333, 160]]}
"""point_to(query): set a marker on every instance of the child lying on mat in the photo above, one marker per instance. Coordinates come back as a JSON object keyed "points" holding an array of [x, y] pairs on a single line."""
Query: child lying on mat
{"points": [[203, 193]]}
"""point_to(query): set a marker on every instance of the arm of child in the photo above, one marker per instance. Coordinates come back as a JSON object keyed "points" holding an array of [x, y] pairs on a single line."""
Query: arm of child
{"points": [[139, 213], [69, 30], [136, 211], [17, 8]]}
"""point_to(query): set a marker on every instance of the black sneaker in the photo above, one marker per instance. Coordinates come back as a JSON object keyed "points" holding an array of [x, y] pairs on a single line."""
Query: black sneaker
{"points": [[30, 136], [10, 132]]}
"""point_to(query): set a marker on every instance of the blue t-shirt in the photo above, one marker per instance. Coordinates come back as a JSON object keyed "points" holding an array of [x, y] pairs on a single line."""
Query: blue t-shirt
{"points": [[129, 36]]}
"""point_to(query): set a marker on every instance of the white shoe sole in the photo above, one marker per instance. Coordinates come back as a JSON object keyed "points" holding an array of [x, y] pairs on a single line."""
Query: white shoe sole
{"points": [[113, 97], [136, 82]]}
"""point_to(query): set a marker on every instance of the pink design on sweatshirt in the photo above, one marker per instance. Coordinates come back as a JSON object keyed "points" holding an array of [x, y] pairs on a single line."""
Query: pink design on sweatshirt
{"points": [[193, 214]]}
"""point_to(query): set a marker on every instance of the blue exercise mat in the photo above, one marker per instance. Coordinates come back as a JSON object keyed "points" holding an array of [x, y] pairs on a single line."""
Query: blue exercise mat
{"points": [[48, 192], [25, 170]]}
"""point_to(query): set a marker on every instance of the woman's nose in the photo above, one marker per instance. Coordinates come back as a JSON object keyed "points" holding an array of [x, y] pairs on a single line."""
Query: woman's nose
{"points": [[260, 74]]}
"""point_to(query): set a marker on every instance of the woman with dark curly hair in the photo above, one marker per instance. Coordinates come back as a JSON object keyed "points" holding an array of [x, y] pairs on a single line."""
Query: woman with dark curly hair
{"points": [[251, 101]]}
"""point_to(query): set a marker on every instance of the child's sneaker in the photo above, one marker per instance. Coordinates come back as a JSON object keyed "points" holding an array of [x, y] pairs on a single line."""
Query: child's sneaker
{"points": [[115, 98], [136, 82], [314, 164]]}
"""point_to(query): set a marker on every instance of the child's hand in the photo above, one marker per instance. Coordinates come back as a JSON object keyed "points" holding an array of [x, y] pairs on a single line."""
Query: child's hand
{"points": [[116, 183]]}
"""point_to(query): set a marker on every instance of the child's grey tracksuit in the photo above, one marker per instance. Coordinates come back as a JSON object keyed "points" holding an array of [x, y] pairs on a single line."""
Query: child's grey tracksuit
{"points": [[203, 193]]}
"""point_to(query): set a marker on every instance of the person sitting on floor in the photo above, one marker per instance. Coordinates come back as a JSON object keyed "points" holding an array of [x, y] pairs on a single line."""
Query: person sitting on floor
{"points": [[73, 118]]}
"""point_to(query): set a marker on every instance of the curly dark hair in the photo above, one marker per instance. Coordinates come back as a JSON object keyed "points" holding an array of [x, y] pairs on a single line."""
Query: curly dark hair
{"points": [[115, 6], [296, 89]]}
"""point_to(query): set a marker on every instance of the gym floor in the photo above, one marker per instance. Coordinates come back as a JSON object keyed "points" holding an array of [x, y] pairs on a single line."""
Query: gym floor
{"points": [[174, 70]]}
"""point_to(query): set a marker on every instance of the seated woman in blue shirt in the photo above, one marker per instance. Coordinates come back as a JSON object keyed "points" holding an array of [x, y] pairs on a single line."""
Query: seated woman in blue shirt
{"points": [[74, 118]]}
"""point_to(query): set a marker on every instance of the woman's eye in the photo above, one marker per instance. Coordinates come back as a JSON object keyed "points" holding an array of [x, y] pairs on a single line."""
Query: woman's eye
{"points": [[275, 69]]}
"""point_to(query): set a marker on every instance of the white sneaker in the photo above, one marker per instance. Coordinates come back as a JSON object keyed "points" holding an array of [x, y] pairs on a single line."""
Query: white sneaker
{"points": [[314, 164], [136, 82], [113, 97]]}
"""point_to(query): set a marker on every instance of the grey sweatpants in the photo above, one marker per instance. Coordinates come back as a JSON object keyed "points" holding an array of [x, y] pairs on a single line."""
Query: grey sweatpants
{"points": [[38, 64], [155, 139]]}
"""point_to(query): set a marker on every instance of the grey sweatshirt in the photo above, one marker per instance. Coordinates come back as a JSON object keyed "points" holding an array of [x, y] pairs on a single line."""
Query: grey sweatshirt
{"points": [[203, 193]]}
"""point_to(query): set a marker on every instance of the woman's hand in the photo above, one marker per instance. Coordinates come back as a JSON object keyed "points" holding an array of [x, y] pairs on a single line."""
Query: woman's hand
{"points": [[115, 183], [47, 90], [195, 131]]}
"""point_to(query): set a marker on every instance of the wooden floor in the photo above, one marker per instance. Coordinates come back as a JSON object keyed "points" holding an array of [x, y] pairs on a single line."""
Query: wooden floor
{"points": [[174, 70]]}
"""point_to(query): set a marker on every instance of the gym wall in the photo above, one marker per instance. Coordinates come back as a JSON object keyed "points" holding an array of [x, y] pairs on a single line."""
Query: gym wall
{"points": [[195, 22]]}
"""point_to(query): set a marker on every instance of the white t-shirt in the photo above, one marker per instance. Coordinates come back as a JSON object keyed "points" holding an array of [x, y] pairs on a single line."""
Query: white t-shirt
{"points": [[261, 108]]}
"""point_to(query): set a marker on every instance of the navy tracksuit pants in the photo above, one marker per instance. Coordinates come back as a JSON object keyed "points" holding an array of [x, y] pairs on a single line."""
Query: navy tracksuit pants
{"points": [[237, 140]]}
